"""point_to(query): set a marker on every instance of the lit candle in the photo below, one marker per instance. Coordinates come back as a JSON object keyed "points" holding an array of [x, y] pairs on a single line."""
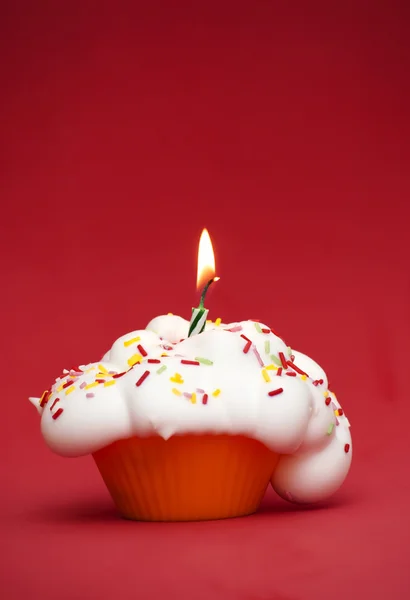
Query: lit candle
{"points": [[205, 275]]}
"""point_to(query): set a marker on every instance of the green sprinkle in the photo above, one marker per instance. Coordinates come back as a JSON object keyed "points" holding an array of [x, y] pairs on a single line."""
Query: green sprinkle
{"points": [[331, 426], [161, 369], [267, 347], [204, 361], [276, 360], [290, 351], [258, 327]]}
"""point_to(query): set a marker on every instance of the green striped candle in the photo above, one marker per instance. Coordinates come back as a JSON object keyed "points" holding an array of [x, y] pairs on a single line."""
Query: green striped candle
{"points": [[199, 315]]}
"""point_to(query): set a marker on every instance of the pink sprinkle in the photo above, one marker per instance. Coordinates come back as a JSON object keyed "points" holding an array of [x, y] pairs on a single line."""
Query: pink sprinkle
{"points": [[75, 373], [82, 385], [58, 413], [199, 391], [113, 372], [236, 328], [258, 356], [187, 395], [89, 395]]}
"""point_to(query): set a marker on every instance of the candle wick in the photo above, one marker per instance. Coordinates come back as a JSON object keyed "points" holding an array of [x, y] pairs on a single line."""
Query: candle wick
{"points": [[202, 300]]}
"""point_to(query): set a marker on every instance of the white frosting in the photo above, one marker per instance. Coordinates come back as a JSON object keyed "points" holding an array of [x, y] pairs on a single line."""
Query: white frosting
{"points": [[314, 443]]}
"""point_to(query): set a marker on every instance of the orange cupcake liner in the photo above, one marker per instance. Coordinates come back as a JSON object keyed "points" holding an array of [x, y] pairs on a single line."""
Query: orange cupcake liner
{"points": [[186, 478]]}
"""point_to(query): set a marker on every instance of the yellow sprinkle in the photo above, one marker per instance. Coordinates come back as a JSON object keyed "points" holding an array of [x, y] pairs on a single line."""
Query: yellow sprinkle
{"points": [[176, 378], [218, 321], [103, 369], [69, 390], [209, 321], [193, 398], [265, 375], [107, 383], [176, 392], [304, 377], [164, 355], [134, 359], [170, 314], [91, 385], [216, 392], [130, 342], [271, 368], [60, 387], [326, 393], [89, 370]]}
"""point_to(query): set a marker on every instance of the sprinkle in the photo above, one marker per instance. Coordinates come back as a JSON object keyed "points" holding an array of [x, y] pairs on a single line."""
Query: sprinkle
{"points": [[304, 377], [68, 383], [117, 375], [193, 398], [74, 373], [166, 348], [69, 390], [247, 346], [91, 385], [265, 330], [279, 373], [89, 395], [283, 360], [245, 338], [142, 350], [135, 358], [205, 399], [200, 391], [265, 375], [216, 392], [54, 403], [258, 356], [331, 427], [187, 394], [164, 354], [142, 378], [103, 369], [258, 327], [234, 329], [296, 368], [58, 413], [82, 385], [275, 392], [318, 382], [290, 373], [176, 392], [218, 321], [189, 362], [339, 412], [153, 360], [289, 350], [347, 448], [208, 321], [170, 314], [267, 347], [130, 342], [204, 361], [271, 368], [44, 398], [176, 378], [326, 393], [108, 383], [275, 360], [327, 401], [100, 380], [161, 369]]}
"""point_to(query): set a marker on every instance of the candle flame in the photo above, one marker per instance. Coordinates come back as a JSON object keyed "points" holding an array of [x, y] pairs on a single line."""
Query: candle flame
{"points": [[206, 260]]}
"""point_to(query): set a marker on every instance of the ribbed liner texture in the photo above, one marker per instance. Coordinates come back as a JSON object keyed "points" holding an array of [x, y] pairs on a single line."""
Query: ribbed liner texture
{"points": [[186, 478]]}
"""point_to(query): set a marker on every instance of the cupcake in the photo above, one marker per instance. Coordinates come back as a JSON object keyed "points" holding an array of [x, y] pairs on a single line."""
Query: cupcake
{"points": [[193, 428]]}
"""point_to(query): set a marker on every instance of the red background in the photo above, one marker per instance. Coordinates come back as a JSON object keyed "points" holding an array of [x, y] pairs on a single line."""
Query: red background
{"points": [[282, 128]]}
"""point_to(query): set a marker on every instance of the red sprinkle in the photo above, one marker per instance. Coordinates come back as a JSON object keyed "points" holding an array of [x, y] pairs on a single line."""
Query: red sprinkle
{"points": [[100, 380], [339, 412], [328, 401], [265, 330], [245, 338], [247, 346], [205, 399], [44, 398], [279, 372], [283, 360], [54, 403], [119, 374], [70, 382], [153, 360], [291, 373], [142, 378], [58, 413], [318, 382], [189, 362], [275, 392], [347, 448], [142, 350], [296, 368]]}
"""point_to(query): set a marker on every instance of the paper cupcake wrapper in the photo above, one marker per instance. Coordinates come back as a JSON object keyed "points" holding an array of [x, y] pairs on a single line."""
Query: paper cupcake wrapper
{"points": [[186, 478]]}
